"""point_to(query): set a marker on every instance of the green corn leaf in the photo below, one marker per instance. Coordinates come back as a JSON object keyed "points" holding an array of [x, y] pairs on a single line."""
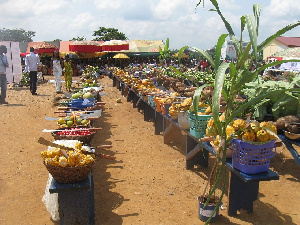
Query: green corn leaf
{"points": [[166, 48], [277, 34], [180, 53], [218, 87], [243, 57], [256, 12], [236, 44], [253, 101], [206, 55], [243, 23], [219, 45], [251, 25], [216, 5]]}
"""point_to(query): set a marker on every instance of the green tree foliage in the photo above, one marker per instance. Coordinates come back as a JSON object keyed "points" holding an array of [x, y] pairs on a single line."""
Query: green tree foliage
{"points": [[107, 34], [19, 35], [78, 38], [57, 39]]}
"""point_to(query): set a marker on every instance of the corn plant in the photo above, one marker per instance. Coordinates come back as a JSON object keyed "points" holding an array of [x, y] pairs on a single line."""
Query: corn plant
{"points": [[236, 74]]}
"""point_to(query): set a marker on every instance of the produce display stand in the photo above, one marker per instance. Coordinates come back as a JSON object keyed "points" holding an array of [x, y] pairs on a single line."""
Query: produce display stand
{"points": [[243, 188], [76, 201], [289, 145]]}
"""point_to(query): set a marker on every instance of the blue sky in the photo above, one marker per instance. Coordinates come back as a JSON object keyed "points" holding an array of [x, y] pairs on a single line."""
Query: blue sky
{"points": [[177, 20]]}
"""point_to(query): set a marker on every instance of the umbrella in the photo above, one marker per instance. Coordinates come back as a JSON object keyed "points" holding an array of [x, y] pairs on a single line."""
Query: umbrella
{"points": [[121, 56]]}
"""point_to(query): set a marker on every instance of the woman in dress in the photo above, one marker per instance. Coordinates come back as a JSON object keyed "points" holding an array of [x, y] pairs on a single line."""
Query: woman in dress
{"points": [[56, 65], [68, 72]]}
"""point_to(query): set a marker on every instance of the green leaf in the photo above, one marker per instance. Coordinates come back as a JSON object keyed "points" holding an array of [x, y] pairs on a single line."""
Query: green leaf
{"points": [[251, 25], [256, 12], [236, 44], [206, 55], [277, 34], [219, 45], [243, 23], [244, 56], [253, 101], [218, 87], [180, 53], [166, 48]]}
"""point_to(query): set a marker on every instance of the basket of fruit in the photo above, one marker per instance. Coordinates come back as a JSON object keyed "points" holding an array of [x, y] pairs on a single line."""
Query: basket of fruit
{"points": [[80, 133], [68, 166], [254, 145], [72, 121]]}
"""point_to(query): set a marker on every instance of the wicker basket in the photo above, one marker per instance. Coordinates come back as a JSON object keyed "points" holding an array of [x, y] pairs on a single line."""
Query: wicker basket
{"points": [[68, 175], [86, 139]]}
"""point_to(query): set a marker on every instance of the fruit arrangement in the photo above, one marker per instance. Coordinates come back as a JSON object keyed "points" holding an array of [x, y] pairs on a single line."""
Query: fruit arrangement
{"points": [[71, 158], [74, 132], [253, 131], [73, 120], [84, 95], [89, 76]]}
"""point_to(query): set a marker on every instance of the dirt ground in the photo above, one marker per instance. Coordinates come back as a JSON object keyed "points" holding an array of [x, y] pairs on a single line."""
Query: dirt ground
{"points": [[148, 182]]}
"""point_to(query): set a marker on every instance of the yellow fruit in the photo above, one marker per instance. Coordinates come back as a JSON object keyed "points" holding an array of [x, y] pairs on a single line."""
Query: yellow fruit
{"points": [[262, 136], [269, 125], [238, 124], [61, 121], [202, 104], [229, 130], [210, 122], [216, 141], [210, 131], [72, 159], [208, 110], [249, 135], [222, 117], [255, 127], [44, 154], [63, 162]]}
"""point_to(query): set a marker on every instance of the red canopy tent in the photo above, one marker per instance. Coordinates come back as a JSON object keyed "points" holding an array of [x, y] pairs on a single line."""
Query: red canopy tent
{"points": [[45, 48], [85, 48]]}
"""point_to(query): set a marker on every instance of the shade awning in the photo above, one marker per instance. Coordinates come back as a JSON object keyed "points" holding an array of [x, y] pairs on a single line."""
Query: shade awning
{"points": [[85, 48]]}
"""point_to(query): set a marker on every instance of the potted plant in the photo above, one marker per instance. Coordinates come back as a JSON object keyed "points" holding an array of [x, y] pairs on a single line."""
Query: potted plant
{"points": [[230, 78]]}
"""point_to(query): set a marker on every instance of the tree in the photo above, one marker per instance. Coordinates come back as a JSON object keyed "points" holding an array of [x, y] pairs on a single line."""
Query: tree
{"points": [[78, 38], [107, 34], [19, 35], [57, 40]]}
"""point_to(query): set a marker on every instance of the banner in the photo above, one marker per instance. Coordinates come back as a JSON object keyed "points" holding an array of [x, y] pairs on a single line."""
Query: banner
{"points": [[14, 71]]}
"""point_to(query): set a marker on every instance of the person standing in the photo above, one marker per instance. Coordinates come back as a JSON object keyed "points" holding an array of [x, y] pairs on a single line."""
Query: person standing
{"points": [[68, 72], [32, 61], [56, 65], [3, 79]]}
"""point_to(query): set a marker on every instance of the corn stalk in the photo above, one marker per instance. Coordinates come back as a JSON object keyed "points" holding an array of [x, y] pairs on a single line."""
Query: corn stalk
{"points": [[239, 75]]}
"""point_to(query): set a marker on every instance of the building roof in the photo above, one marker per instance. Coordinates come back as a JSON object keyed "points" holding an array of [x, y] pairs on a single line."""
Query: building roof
{"points": [[289, 41]]}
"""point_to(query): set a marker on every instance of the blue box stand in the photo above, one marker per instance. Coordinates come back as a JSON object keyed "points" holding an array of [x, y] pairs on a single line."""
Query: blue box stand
{"points": [[76, 201]]}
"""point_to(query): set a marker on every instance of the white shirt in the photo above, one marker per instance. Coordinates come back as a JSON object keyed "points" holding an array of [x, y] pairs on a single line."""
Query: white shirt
{"points": [[31, 62]]}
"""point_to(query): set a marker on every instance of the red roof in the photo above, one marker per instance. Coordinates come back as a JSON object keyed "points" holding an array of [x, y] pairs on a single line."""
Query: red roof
{"points": [[289, 41]]}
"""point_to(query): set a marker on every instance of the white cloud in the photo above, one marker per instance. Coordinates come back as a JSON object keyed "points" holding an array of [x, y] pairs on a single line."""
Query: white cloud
{"points": [[147, 19], [108, 4]]}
